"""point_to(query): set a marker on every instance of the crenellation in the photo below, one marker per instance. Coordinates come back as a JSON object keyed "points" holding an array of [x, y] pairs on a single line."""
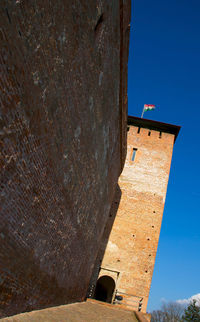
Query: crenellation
{"points": [[154, 134]]}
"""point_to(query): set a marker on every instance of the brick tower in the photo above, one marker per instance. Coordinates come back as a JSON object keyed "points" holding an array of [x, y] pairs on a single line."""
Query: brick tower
{"points": [[126, 270]]}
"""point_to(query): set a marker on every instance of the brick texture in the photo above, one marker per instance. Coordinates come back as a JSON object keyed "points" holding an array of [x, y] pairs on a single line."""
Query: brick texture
{"points": [[131, 247], [62, 123]]}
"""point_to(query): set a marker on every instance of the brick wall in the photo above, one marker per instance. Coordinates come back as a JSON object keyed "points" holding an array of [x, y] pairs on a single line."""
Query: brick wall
{"points": [[63, 118], [132, 245]]}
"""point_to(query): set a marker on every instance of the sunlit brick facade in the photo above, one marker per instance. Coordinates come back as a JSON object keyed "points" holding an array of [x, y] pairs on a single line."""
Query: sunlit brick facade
{"points": [[131, 249]]}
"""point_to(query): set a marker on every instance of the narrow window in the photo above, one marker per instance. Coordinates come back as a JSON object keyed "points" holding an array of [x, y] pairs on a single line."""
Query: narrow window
{"points": [[133, 155], [149, 133], [138, 130], [160, 135]]}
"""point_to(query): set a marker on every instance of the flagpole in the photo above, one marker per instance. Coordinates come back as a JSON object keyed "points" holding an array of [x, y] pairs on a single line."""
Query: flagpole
{"points": [[142, 113]]}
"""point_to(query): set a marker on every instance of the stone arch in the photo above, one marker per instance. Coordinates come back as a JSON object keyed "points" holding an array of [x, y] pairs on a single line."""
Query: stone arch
{"points": [[105, 288]]}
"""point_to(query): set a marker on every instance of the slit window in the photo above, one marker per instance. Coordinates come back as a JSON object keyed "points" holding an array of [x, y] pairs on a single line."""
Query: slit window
{"points": [[133, 154], [138, 130], [160, 135]]}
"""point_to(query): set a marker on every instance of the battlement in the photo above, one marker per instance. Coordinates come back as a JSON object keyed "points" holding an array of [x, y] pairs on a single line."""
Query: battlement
{"points": [[151, 126]]}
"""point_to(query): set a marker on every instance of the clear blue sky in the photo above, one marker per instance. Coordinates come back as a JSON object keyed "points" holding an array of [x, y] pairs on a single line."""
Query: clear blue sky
{"points": [[164, 69]]}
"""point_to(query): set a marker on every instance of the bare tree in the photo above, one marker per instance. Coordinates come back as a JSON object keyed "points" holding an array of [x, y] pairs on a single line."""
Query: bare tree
{"points": [[170, 312], [173, 311], [157, 316]]}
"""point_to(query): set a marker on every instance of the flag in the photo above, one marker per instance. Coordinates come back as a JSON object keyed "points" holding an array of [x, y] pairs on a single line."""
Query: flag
{"points": [[149, 107]]}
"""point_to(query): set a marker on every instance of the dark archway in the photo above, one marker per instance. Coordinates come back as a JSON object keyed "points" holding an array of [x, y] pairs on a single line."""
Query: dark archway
{"points": [[104, 289]]}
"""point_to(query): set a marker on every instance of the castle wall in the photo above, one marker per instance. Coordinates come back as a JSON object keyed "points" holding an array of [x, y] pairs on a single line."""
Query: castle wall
{"points": [[63, 122], [132, 245]]}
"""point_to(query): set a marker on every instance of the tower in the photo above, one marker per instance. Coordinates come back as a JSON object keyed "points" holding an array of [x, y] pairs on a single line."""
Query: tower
{"points": [[127, 266]]}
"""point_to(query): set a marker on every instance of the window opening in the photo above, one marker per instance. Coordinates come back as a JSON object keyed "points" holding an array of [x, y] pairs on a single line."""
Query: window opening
{"points": [[138, 130], [149, 133], [133, 155], [128, 128], [160, 135]]}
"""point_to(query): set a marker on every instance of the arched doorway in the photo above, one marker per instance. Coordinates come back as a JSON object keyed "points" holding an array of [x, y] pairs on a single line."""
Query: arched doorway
{"points": [[104, 289]]}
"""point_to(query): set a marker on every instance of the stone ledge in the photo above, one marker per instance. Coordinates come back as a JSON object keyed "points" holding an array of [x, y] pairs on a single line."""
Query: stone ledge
{"points": [[84, 312]]}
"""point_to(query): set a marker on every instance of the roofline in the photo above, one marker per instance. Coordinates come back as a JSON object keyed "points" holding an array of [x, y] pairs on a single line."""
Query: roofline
{"points": [[154, 125]]}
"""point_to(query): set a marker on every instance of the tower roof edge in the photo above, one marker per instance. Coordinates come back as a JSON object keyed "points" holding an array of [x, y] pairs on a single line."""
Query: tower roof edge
{"points": [[154, 125]]}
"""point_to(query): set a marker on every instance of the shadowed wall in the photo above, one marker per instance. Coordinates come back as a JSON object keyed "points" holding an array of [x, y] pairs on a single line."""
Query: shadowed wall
{"points": [[63, 143]]}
